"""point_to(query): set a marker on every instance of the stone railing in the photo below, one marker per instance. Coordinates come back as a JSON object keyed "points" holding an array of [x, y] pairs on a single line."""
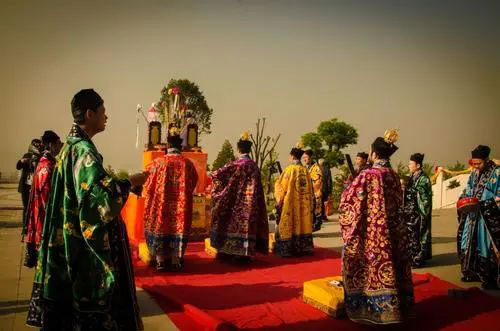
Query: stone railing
{"points": [[445, 197]]}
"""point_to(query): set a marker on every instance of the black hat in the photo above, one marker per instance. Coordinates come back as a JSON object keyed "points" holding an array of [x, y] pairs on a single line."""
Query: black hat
{"points": [[383, 149], [418, 158], [49, 136], [308, 152], [363, 155], [244, 144], [297, 153], [481, 152]]}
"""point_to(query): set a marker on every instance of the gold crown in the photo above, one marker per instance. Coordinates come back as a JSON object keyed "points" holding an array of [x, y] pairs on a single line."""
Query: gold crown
{"points": [[245, 136], [300, 144], [391, 136]]}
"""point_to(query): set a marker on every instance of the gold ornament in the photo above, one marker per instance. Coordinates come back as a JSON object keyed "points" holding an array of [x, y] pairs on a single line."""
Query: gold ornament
{"points": [[245, 136], [391, 136]]}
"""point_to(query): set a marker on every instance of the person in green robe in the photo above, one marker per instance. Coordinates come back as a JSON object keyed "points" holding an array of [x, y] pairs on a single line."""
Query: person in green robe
{"points": [[84, 277], [418, 211]]}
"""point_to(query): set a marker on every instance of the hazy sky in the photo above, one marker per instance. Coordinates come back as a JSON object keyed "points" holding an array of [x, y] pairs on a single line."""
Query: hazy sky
{"points": [[429, 68]]}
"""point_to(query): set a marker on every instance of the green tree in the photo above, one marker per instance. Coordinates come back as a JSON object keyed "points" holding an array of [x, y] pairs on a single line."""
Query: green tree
{"points": [[331, 137], [402, 170], [428, 169], [225, 155], [339, 184], [315, 143], [456, 167], [192, 98]]}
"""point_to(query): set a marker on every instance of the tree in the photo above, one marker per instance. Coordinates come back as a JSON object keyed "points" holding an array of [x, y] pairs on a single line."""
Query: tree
{"points": [[339, 184], [402, 170], [192, 98], [331, 137], [428, 169], [456, 167], [225, 155], [262, 147], [268, 180], [315, 143]]}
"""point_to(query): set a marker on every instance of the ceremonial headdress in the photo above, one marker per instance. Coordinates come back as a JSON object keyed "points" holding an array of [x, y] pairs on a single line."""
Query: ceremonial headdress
{"points": [[244, 144], [384, 146]]}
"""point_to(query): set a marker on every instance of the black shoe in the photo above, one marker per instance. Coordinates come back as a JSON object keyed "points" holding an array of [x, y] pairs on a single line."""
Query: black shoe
{"points": [[241, 259], [470, 279], [489, 286]]}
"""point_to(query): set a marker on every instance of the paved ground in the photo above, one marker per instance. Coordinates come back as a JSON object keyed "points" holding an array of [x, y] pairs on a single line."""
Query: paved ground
{"points": [[16, 281]]}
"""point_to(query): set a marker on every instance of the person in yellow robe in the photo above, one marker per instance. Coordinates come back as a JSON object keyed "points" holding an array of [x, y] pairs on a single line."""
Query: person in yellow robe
{"points": [[294, 199], [317, 184]]}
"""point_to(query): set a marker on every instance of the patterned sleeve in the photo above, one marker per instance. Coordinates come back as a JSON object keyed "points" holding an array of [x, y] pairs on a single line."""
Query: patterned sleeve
{"points": [[312, 196], [467, 192], [351, 206], [44, 177], [281, 186], [220, 178], [317, 181], [424, 196], [100, 197]]}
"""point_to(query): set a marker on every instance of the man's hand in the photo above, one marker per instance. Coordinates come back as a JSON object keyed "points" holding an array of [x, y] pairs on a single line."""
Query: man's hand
{"points": [[138, 179]]}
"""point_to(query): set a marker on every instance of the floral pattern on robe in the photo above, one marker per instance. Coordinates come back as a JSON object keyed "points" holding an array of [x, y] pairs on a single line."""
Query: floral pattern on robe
{"points": [[39, 197], [239, 215], [84, 271], [375, 262], [295, 198], [418, 216], [168, 211], [479, 230], [317, 183]]}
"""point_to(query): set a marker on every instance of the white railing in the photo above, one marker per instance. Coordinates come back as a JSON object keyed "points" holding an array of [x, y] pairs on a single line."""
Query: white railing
{"points": [[442, 196]]}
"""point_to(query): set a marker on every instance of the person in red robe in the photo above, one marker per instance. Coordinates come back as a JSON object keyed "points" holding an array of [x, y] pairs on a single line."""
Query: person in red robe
{"points": [[376, 263], [240, 227], [39, 196], [168, 208]]}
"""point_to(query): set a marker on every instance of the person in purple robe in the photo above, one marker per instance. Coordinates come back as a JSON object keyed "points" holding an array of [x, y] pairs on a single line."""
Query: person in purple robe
{"points": [[239, 217]]}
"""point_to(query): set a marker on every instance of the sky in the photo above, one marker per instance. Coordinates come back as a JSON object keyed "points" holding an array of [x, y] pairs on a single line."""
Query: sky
{"points": [[428, 68]]}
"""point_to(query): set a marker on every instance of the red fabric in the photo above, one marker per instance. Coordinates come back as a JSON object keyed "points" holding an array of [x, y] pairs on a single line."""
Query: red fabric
{"points": [[169, 195], [39, 197], [267, 295]]}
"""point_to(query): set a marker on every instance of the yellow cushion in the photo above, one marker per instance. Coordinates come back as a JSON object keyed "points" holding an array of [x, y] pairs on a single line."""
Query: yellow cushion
{"points": [[209, 249], [272, 242], [144, 255], [325, 297]]}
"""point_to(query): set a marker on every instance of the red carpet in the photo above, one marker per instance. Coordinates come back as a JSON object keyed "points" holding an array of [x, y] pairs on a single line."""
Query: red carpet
{"points": [[267, 295]]}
